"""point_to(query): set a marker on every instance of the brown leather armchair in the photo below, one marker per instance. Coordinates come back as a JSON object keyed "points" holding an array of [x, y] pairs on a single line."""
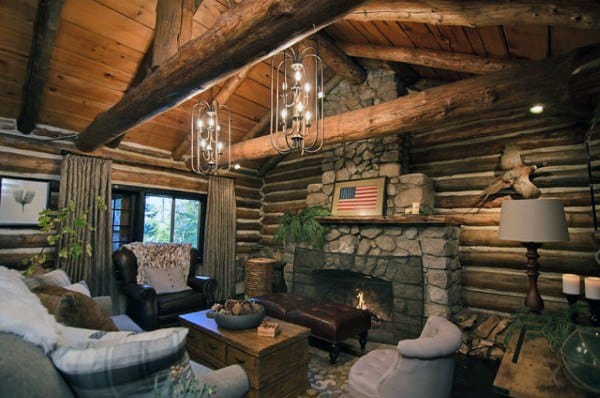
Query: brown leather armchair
{"points": [[151, 310]]}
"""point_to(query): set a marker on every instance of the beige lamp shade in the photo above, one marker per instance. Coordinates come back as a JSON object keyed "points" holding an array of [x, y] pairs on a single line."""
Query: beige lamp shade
{"points": [[533, 220]]}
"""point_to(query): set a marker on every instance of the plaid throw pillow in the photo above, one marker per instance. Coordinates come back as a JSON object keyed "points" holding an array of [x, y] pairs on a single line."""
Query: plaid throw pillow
{"points": [[122, 364]]}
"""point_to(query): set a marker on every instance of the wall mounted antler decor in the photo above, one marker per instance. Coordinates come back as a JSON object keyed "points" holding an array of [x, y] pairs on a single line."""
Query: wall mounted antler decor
{"points": [[516, 175]]}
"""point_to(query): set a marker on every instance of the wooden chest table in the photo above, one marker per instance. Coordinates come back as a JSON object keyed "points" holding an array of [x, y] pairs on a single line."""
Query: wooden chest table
{"points": [[276, 366]]}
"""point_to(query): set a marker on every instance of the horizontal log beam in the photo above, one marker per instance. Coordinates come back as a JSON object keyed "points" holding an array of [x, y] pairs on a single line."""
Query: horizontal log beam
{"points": [[550, 261], [509, 281], [434, 59], [503, 301], [583, 14], [335, 58], [470, 98], [46, 24], [240, 37]]}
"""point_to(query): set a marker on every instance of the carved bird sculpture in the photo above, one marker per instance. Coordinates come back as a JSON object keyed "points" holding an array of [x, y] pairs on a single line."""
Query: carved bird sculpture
{"points": [[516, 175]]}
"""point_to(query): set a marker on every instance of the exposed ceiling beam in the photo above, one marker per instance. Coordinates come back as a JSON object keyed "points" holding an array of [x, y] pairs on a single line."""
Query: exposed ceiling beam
{"points": [[174, 22], [584, 14], [337, 61], [222, 97], [47, 19], [242, 36], [551, 82], [435, 59]]}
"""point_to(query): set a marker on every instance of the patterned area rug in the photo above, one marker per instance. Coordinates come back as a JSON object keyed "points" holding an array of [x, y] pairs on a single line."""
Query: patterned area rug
{"points": [[326, 380]]}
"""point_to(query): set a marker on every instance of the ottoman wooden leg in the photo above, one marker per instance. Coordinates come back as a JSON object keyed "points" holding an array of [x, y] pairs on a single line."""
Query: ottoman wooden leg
{"points": [[362, 339], [334, 353]]}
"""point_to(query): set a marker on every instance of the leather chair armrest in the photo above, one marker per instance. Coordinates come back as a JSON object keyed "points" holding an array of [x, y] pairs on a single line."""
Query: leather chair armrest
{"points": [[205, 285], [139, 293], [142, 305]]}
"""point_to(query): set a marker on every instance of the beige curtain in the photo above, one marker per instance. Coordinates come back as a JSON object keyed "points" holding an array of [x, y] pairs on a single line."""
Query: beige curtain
{"points": [[219, 235], [83, 179]]}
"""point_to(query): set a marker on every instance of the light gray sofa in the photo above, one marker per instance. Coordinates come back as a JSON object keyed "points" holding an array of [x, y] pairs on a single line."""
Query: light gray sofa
{"points": [[26, 372], [419, 368]]}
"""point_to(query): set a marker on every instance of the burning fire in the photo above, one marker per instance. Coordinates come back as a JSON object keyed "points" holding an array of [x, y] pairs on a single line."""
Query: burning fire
{"points": [[361, 301]]}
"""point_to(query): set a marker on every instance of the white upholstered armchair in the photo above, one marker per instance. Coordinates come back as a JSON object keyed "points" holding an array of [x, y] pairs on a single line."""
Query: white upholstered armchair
{"points": [[419, 368]]}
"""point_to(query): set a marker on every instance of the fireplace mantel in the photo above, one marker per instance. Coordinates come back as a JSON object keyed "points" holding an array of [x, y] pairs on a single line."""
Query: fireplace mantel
{"points": [[405, 220]]}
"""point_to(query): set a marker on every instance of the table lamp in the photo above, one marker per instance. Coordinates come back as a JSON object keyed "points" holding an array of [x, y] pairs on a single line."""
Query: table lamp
{"points": [[533, 222]]}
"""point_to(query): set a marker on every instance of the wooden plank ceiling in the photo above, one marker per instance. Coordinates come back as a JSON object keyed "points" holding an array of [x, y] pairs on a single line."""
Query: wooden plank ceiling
{"points": [[100, 44]]}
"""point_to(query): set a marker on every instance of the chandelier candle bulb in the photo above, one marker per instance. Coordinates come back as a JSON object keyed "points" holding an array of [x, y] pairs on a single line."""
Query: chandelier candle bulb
{"points": [[571, 284], [592, 288]]}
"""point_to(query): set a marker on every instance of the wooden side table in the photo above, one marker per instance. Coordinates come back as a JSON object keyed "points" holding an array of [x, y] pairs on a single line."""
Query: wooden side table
{"points": [[537, 373]]}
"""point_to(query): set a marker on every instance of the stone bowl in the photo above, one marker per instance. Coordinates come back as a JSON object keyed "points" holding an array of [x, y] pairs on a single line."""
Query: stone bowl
{"points": [[580, 354], [240, 322]]}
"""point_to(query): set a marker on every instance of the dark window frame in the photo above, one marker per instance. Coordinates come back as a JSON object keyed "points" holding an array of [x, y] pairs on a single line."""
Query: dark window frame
{"points": [[138, 203]]}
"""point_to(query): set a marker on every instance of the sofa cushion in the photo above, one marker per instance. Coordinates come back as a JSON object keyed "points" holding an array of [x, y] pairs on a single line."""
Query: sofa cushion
{"points": [[74, 309], [26, 372], [79, 287], [121, 363], [166, 280], [57, 277], [22, 313]]}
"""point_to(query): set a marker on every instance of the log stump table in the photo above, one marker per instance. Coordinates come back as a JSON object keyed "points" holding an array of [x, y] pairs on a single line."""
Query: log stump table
{"points": [[259, 276]]}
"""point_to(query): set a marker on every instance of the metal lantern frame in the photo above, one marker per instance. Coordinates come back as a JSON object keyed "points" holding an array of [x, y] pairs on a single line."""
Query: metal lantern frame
{"points": [[297, 97], [210, 137]]}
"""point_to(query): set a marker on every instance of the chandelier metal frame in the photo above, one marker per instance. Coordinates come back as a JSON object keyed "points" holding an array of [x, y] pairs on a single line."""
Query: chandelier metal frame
{"points": [[297, 100], [208, 143]]}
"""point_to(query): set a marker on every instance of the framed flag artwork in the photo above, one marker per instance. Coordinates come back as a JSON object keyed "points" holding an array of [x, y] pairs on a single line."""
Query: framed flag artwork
{"points": [[359, 197]]}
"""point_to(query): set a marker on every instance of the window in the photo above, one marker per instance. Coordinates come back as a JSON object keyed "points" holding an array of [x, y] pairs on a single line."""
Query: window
{"points": [[158, 216], [169, 219], [122, 219]]}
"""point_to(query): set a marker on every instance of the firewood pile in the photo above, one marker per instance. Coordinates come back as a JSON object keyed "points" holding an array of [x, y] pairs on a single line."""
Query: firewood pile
{"points": [[483, 334]]}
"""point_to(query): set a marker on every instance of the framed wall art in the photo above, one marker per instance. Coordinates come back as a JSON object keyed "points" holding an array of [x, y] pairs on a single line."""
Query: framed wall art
{"points": [[21, 201], [359, 197]]}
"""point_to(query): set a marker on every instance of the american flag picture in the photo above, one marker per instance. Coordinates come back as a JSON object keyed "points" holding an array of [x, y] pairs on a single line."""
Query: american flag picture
{"points": [[359, 197], [353, 198]]}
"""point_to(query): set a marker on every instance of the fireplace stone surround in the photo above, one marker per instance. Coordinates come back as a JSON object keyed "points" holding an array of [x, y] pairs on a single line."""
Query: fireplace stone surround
{"points": [[432, 239]]}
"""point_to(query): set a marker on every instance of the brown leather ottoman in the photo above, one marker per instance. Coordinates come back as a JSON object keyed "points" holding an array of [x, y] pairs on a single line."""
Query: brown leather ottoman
{"points": [[327, 321]]}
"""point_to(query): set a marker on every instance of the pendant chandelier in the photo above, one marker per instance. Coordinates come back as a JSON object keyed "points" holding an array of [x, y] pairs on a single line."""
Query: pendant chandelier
{"points": [[210, 138], [297, 101]]}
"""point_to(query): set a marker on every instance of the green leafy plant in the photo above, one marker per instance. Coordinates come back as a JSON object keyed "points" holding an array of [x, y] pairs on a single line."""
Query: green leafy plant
{"points": [[554, 326], [182, 384], [302, 227], [55, 223]]}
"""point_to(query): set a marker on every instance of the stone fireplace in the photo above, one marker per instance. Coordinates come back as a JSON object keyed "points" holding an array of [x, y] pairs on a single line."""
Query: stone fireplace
{"points": [[427, 242], [405, 244], [389, 287]]}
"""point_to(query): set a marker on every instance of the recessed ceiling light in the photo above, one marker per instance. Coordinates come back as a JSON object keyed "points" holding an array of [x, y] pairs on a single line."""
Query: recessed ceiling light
{"points": [[536, 109]]}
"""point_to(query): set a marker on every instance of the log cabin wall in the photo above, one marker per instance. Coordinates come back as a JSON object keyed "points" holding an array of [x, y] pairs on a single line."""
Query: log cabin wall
{"points": [[463, 160], [137, 167]]}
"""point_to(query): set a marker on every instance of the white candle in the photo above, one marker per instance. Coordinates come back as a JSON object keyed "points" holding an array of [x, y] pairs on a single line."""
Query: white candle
{"points": [[571, 284], [592, 288], [408, 210], [416, 205]]}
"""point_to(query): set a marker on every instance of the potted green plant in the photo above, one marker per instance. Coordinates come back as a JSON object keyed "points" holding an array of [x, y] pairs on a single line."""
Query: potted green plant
{"points": [[63, 223], [302, 227]]}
